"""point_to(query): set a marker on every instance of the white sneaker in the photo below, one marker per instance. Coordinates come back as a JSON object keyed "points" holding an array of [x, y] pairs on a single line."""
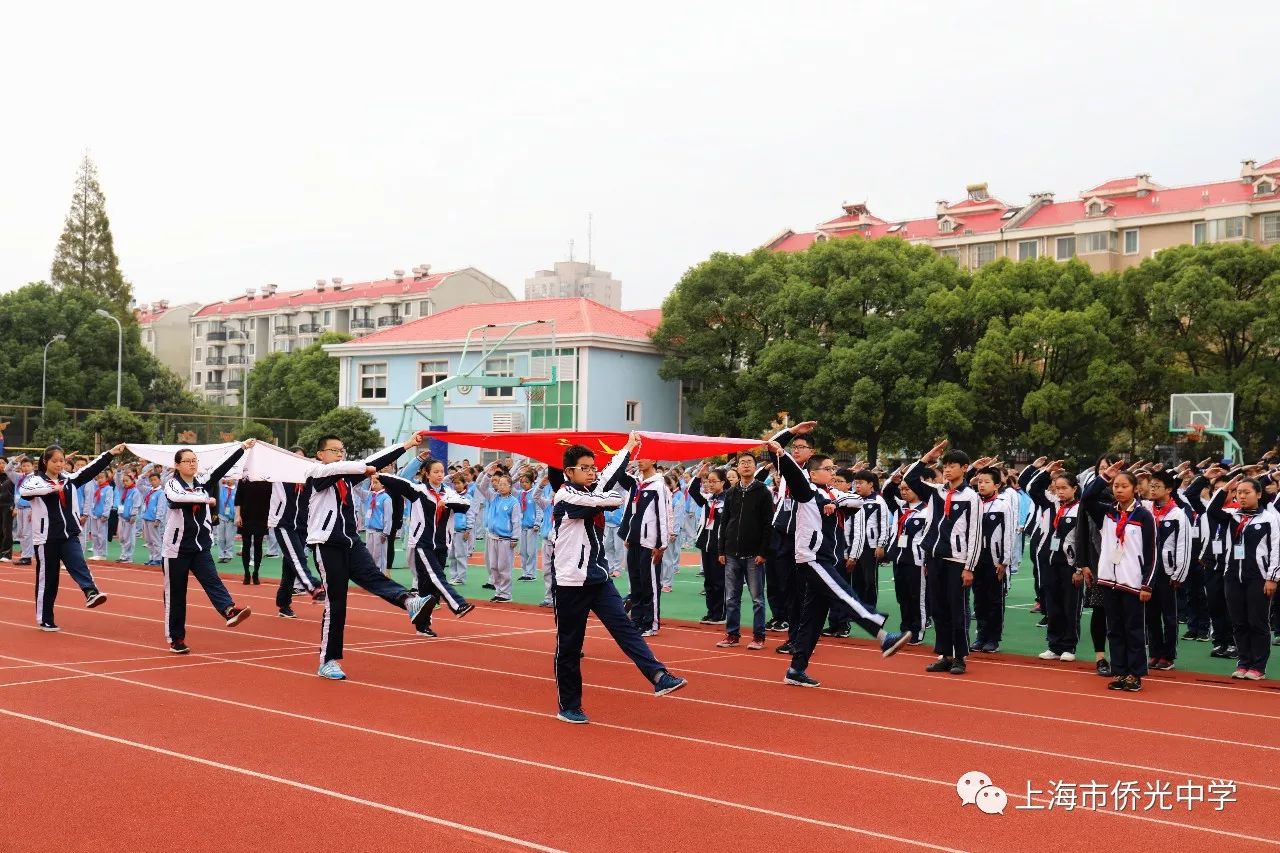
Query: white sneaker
{"points": [[1048, 654], [1067, 656]]}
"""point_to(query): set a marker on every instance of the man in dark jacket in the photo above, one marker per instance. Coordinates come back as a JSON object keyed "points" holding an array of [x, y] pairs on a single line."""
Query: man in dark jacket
{"points": [[7, 512], [744, 541]]}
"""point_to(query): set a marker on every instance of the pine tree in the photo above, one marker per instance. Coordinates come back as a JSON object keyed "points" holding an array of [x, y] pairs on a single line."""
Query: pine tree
{"points": [[86, 255]]}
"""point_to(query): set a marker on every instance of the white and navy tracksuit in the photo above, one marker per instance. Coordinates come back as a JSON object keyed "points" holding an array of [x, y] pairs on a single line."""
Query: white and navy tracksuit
{"points": [[708, 540], [877, 528], [188, 546], [1174, 530], [1061, 598], [55, 534], [907, 555], [815, 556], [580, 582], [431, 513], [784, 583], [999, 548], [1126, 563], [286, 512], [852, 544], [340, 555], [649, 523], [953, 545], [1037, 532], [1253, 558]]}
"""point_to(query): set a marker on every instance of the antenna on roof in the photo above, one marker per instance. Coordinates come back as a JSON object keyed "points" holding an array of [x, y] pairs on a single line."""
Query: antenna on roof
{"points": [[589, 246], [570, 250]]}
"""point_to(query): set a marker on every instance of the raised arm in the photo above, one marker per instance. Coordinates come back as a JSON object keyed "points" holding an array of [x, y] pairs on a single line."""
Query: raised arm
{"points": [[695, 492], [90, 471], [401, 486], [411, 470], [175, 493], [797, 483], [385, 457], [1215, 508], [322, 477], [1010, 530], [36, 485], [224, 466], [1094, 502]]}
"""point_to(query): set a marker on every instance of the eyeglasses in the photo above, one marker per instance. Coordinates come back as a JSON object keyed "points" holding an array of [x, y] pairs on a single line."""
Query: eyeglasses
{"points": [[827, 468], [586, 468], [801, 447], [339, 451]]}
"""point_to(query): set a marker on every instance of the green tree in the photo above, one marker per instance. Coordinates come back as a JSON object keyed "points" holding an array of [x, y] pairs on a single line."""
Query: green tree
{"points": [[114, 425], [354, 426], [253, 429], [86, 255], [302, 384], [56, 427]]}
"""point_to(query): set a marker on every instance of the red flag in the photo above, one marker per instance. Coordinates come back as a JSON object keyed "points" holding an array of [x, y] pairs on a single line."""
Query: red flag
{"points": [[549, 447]]}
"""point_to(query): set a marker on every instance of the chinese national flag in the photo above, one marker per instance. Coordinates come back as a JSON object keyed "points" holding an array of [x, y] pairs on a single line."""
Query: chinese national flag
{"points": [[549, 447]]}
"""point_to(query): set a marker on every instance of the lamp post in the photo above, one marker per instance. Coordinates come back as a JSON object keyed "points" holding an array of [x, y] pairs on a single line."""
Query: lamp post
{"points": [[102, 312], [44, 370]]}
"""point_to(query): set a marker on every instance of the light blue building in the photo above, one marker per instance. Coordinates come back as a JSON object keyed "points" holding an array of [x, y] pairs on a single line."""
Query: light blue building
{"points": [[606, 371]]}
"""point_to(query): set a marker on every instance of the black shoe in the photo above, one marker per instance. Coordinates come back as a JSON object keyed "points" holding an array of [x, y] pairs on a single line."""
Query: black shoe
{"points": [[1219, 652], [49, 626], [1118, 684], [93, 598], [990, 648], [1104, 668], [1232, 652], [178, 647], [785, 649], [1163, 664], [426, 631], [977, 646], [1043, 623], [246, 580], [958, 667], [799, 679], [1132, 684], [928, 623], [940, 665], [501, 599], [256, 582], [487, 586], [1191, 635], [287, 613], [465, 609]]}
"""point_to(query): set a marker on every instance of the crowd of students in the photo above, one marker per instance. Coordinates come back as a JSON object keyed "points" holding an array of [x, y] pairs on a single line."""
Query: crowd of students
{"points": [[1144, 548]]}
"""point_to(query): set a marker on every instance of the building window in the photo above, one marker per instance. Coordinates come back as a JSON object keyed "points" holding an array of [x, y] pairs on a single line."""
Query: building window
{"points": [[1131, 241], [431, 372], [424, 308], [953, 254], [1028, 250], [1264, 188], [251, 349], [373, 381], [328, 317], [197, 377], [1198, 233], [633, 411], [1271, 227], [503, 365], [554, 406], [1227, 229], [1103, 241], [406, 308], [1066, 248], [983, 253], [199, 353]]}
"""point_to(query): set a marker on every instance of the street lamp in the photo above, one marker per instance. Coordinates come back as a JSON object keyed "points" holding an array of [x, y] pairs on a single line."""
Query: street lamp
{"points": [[102, 312], [44, 370]]}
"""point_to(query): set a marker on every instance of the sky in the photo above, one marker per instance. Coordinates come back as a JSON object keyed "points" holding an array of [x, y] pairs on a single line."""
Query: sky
{"points": [[240, 144]]}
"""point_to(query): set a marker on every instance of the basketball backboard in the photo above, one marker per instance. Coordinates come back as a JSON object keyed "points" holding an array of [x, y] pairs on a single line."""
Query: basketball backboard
{"points": [[1210, 412]]}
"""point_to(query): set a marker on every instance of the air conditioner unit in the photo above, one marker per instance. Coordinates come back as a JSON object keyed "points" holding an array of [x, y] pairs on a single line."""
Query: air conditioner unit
{"points": [[507, 422]]}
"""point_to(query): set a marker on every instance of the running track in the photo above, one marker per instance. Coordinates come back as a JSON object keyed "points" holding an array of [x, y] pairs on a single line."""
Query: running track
{"points": [[451, 743]]}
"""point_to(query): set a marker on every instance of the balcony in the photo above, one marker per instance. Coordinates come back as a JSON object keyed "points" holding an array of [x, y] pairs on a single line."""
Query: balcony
{"points": [[219, 335], [236, 335], [214, 386], [363, 324], [237, 359], [383, 322], [215, 359], [308, 328], [285, 331]]}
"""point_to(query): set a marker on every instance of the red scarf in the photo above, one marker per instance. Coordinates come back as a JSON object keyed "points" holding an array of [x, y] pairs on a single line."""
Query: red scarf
{"points": [[341, 486], [711, 513], [1122, 522], [1062, 510], [1161, 511], [1244, 522], [439, 496], [946, 504], [373, 501], [902, 519], [97, 494]]}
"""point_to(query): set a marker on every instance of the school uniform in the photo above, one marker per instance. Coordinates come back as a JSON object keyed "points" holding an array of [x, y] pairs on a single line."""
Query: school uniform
{"points": [[952, 545], [708, 542], [377, 526], [226, 528], [852, 545], [528, 533], [614, 552], [127, 508], [1173, 552], [671, 556], [999, 548], [502, 534], [647, 524], [1037, 533], [103, 501], [153, 512], [1061, 598], [1126, 563], [878, 531], [8, 491], [287, 519], [912, 524], [462, 542], [545, 498], [55, 536], [430, 534], [340, 555], [25, 530], [581, 584], [188, 547], [1253, 558]]}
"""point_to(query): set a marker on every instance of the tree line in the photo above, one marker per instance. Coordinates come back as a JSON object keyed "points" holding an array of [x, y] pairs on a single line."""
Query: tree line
{"points": [[890, 346]]}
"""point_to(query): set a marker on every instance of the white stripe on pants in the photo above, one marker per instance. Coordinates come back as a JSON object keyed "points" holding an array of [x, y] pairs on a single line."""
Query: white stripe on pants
{"points": [[500, 556]]}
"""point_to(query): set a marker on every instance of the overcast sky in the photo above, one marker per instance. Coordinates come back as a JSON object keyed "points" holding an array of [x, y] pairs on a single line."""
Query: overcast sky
{"points": [[240, 144]]}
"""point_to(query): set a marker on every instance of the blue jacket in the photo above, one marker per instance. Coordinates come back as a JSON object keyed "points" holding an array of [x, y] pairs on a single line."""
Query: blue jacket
{"points": [[545, 497], [502, 516], [528, 508], [154, 506], [130, 501], [377, 511], [227, 502], [104, 498]]}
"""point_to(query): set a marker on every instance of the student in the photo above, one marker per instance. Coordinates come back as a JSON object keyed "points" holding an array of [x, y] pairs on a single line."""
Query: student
{"points": [[1173, 552], [913, 521], [101, 503], [614, 550], [528, 527], [851, 538], [826, 588], [953, 546], [287, 519], [502, 525], [127, 508], [784, 584], [226, 531], [547, 489], [1036, 531], [25, 530], [710, 495], [1059, 585], [57, 529], [744, 542], [460, 547], [340, 555], [671, 556], [8, 513], [648, 529], [154, 510], [377, 523], [581, 583], [999, 552], [1253, 569], [876, 528], [430, 531], [253, 507], [1126, 563]]}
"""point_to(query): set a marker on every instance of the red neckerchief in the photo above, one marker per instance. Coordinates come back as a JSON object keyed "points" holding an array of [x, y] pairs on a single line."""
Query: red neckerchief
{"points": [[439, 496], [1121, 519], [341, 486], [524, 501], [946, 505], [711, 512], [62, 492], [1062, 510], [97, 494], [1244, 522], [124, 497], [373, 501], [1161, 512]]}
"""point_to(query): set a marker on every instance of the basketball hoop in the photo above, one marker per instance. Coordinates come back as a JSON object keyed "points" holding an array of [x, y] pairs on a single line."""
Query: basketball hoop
{"points": [[1196, 434]]}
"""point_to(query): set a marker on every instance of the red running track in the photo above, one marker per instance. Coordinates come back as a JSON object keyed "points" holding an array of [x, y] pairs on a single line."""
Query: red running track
{"points": [[452, 743]]}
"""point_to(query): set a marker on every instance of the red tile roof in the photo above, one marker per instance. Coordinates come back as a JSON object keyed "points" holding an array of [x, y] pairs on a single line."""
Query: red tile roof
{"points": [[793, 242], [1113, 185], [1270, 166], [573, 316], [148, 316], [649, 316], [1172, 200], [311, 297], [971, 202]]}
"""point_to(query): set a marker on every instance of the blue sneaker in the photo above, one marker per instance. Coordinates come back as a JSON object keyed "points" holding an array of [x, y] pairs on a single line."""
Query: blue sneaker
{"points": [[420, 607], [668, 683], [892, 642], [800, 679], [331, 670], [576, 717]]}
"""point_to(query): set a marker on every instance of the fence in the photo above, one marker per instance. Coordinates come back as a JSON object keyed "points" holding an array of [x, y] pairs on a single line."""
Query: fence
{"points": [[172, 427]]}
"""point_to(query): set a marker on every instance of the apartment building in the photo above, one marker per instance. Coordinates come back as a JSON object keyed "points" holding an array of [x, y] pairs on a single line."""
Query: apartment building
{"points": [[1111, 227], [166, 333], [226, 338], [574, 278]]}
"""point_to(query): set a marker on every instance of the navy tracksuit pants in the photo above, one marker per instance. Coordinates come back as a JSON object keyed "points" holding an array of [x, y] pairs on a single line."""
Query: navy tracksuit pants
{"points": [[826, 590], [293, 561], [572, 606], [176, 571], [1126, 632], [49, 557], [646, 589], [341, 565]]}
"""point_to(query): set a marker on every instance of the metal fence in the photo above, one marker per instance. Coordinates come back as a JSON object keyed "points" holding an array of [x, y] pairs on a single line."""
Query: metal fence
{"points": [[171, 427]]}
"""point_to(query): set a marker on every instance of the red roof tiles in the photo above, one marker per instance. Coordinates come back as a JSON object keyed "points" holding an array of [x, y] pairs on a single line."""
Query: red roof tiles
{"points": [[309, 297]]}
